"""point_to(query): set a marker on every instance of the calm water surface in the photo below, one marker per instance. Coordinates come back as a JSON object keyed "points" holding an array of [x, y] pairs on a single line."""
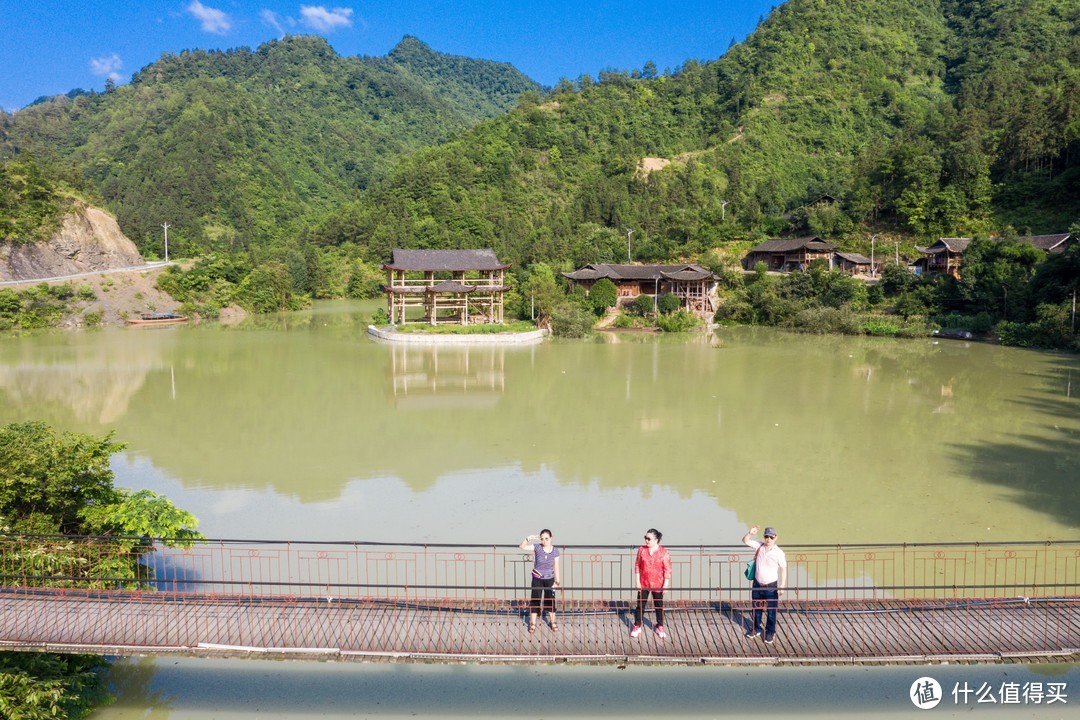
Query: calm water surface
{"points": [[300, 427]]}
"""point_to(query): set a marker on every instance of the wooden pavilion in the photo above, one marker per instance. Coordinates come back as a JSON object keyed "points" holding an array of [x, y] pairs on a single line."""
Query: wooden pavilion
{"points": [[465, 287]]}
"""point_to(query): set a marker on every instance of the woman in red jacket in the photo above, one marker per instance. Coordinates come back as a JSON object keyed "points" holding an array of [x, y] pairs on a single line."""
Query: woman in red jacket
{"points": [[652, 574]]}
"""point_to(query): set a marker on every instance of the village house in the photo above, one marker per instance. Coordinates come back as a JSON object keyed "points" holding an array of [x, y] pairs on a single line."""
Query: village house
{"points": [[853, 263], [943, 257], [465, 287], [786, 255], [692, 284]]}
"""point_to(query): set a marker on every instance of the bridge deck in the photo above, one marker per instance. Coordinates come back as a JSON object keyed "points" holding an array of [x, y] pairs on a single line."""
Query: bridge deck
{"points": [[848, 631]]}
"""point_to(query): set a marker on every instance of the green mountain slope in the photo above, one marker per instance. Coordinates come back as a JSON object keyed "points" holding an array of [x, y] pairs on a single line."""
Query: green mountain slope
{"points": [[927, 117], [248, 146]]}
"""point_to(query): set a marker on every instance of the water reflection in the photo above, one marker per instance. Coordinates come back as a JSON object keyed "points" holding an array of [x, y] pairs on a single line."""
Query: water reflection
{"points": [[447, 377], [89, 383], [299, 425]]}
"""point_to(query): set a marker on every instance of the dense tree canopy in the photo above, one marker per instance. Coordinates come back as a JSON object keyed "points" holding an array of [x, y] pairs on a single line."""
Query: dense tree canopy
{"points": [[54, 484]]}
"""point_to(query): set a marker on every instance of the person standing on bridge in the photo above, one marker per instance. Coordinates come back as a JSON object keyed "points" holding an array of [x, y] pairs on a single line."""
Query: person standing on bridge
{"points": [[770, 579], [652, 574], [546, 576]]}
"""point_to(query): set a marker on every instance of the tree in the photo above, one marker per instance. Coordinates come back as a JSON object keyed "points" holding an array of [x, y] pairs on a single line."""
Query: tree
{"points": [[995, 276], [47, 479], [603, 295], [668, 303], [60, 482]]}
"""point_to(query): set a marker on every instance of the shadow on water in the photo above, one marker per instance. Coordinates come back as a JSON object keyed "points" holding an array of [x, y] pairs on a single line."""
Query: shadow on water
{"points": [[1039, 468]]}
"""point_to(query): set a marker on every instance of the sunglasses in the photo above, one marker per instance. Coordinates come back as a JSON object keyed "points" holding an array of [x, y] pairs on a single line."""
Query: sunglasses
{"points": [[649, 537], [770, 537]]}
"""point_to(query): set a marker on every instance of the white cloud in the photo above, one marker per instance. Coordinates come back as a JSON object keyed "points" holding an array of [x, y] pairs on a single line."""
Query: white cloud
{"points": [[212, 20], [107, 66], [320, 19], [272, 19]]}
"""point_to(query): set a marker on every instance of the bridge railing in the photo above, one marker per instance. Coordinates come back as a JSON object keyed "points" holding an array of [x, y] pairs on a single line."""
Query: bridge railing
{"points": [[473, 573]]}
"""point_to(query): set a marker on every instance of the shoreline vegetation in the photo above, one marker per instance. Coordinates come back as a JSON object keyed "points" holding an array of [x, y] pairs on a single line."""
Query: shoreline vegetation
{"points": [[54, 485], [1008, 292]]}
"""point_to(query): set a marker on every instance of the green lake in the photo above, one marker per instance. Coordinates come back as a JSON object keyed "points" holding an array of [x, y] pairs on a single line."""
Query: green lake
{"points": [[301, 427]]}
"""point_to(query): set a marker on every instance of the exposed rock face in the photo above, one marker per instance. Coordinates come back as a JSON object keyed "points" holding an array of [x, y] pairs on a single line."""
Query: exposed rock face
{"points": [[90, 240]]}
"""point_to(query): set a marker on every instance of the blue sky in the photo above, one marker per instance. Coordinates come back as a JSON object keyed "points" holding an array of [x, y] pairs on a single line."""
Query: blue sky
{"points": [[48, 47]]}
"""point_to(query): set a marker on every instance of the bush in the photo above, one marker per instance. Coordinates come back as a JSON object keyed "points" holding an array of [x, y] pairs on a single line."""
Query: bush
{"points": [[642, 305], [570, 320], [824, 320], [668, 303], [380, 317], [679, 321], [882, 326]]}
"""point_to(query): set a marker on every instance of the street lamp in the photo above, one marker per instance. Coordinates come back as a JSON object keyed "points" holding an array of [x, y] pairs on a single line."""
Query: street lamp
{"points": [[166, 226], [872, 239], [723, 204], [628, 231]]}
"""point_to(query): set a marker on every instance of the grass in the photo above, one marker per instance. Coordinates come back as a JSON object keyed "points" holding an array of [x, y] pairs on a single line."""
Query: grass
{"points": [[488, 329]]}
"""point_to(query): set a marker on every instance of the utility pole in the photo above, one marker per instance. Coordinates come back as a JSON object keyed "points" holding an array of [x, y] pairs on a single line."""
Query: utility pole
{"points": [[628, 260], [897, 252], [166, 226], [873, 272]]}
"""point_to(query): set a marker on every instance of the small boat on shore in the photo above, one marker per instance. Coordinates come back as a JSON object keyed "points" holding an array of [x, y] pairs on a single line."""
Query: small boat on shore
{"points": [[156, 318]]}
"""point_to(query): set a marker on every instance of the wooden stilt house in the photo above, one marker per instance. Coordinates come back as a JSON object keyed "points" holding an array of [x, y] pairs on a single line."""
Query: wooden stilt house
{"points": [[462, 287]]}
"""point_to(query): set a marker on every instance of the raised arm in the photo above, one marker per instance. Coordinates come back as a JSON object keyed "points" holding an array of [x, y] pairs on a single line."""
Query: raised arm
{"points": [[746, 539], [528, 542]]}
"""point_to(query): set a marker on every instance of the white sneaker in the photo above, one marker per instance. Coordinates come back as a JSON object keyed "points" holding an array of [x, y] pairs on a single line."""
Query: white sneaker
{"points": [[660, 632], [635, 631]]}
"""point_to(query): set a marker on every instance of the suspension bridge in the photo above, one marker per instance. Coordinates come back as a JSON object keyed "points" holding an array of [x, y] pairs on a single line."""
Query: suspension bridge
{"points": [[1004, 602]]}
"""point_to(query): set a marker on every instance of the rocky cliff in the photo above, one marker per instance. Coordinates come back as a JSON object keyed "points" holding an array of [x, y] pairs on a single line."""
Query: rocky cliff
{"points": [[89, 241]]}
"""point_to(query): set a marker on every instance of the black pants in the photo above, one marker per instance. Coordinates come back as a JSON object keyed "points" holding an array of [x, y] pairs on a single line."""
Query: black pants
{"points": [[765, 597], [658, 603], [542, 588]]}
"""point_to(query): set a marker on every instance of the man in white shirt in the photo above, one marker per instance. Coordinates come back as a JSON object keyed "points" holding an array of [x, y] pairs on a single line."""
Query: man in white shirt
{"points": [[770, 579]]}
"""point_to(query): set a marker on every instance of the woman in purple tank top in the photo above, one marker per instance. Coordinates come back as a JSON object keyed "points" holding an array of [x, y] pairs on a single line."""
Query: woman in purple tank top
{"points": [[546, 576]]}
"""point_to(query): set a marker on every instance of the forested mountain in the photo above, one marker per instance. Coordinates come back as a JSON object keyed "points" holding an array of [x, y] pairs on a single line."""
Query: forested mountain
{"points": [[247, 147], [921, 117]]}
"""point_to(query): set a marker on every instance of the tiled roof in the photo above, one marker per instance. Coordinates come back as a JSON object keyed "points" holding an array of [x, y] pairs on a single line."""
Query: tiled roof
{"points": [[854, 258], [689, 275], [812, 242], [445, 260], [1046, 242], [596, 271]]}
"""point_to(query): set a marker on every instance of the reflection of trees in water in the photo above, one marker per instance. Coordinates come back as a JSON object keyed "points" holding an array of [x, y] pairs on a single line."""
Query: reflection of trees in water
{"points": [[832, 424], [1042, 471], [90, 383], [133, 677]]}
